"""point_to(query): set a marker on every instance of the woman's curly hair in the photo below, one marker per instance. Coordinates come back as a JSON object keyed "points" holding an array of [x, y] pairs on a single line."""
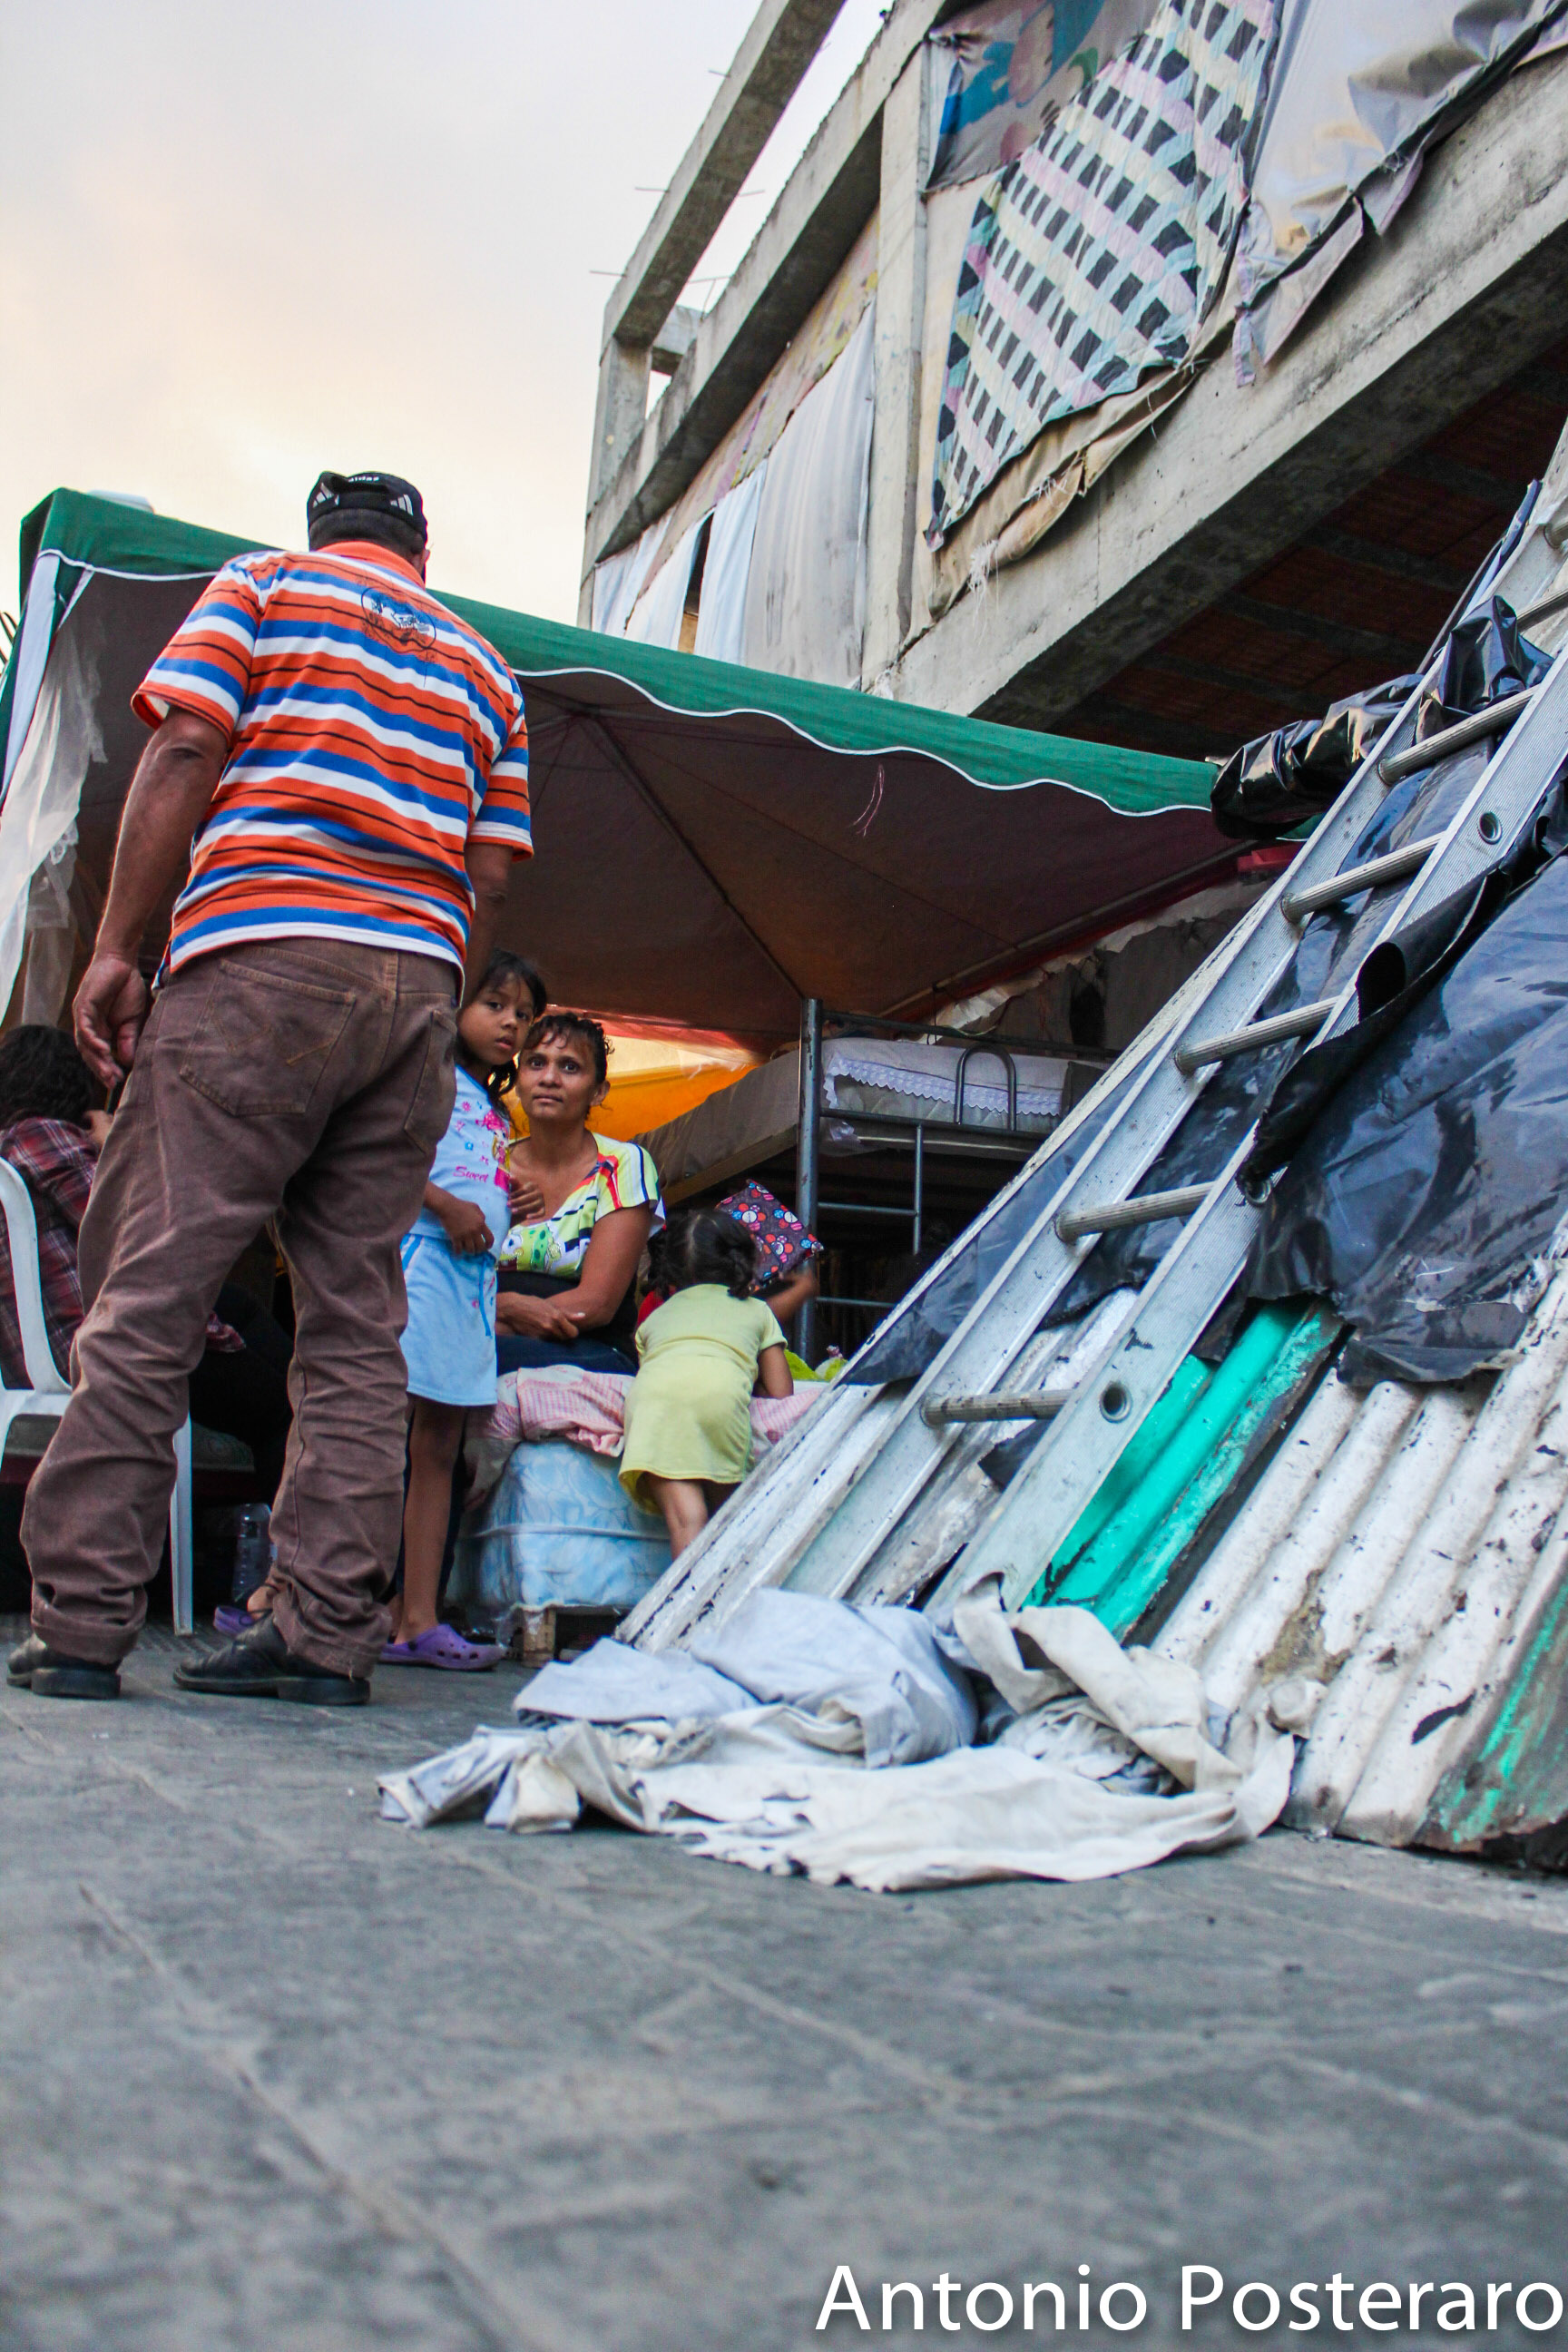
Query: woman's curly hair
{"points": [[703, 1245], [42, 1076], [572, 1028]]}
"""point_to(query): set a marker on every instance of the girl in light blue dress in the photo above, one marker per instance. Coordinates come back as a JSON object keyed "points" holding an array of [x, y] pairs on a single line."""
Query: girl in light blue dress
{"points": [[450, 1271]]}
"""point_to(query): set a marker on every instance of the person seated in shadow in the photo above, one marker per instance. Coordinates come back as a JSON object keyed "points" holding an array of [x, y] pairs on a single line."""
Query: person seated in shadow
{"points": [[585, 1205], [51, 1134]]}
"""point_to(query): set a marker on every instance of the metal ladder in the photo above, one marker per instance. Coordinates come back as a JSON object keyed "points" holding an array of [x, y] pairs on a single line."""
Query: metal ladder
{"points": [[1093, 1423]]}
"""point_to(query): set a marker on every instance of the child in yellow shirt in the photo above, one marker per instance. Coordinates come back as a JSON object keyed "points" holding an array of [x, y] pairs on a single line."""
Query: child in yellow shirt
{"points": [[701, 1356]]}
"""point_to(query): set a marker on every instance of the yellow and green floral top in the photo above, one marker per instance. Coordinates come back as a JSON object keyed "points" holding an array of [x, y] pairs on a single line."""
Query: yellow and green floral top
{"points": [[625, 1177]]}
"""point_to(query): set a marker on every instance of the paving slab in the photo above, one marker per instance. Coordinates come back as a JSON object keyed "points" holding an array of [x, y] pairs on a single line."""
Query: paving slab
{"points": [[275, 2073]]}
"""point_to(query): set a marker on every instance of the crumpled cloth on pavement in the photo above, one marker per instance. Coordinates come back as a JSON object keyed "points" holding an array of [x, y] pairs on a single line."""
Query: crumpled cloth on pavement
{"points": [[589, 1409], [881, 1669], [788, 1784]]}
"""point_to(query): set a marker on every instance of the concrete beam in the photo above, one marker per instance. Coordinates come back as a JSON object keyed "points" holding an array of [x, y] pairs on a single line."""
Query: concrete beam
{"points": [[828, 199], [674, 340], [1470, 285], [770, 63]]}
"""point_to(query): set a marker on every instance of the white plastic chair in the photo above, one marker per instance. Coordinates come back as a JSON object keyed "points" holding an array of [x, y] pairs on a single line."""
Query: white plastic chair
{"points": [[48, 1392]]}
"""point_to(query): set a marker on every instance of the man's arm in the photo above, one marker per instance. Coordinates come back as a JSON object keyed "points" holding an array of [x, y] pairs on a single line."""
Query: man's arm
{"points": [[490, 872], [171, 793]]}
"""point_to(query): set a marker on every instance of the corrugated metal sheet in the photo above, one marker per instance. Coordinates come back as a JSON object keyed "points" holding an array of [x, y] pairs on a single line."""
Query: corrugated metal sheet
{"points": [[1405, 1551]]}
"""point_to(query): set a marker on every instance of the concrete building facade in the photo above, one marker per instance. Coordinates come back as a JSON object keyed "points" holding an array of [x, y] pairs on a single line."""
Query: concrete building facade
{"points": [[1183, 567]]}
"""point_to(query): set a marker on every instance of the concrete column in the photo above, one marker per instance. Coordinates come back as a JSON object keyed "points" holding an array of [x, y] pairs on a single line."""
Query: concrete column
{"points": [[619, 414], [620, 411], [900, 325]]}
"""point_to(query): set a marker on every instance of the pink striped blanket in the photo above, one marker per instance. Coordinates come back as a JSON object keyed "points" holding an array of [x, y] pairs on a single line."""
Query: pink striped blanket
{"points": [[589, 1409]]}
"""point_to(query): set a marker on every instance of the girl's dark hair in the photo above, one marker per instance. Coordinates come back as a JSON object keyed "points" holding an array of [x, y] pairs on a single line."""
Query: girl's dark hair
{"points": [[42, 1076], [580, 1030], [703, 1245], [503, 966]]}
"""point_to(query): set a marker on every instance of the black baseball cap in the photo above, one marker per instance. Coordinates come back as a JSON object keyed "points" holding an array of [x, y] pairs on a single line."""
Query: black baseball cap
{"points": [[340, 503]]}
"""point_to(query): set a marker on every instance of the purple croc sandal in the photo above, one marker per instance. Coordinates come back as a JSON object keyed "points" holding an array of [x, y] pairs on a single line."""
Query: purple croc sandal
{"points": [[444, 1646], [235, 1618]]}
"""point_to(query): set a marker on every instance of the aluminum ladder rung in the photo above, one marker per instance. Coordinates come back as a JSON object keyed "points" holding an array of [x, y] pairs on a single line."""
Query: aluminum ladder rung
{"points": [[1142, 1209], [1029, 1405], [1494, 720], [1254, 1036], [1298, 904]]}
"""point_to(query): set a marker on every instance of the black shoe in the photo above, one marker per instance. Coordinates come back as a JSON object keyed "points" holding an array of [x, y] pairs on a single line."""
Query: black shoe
{"points": [[260, 1664], [48, 1674]]}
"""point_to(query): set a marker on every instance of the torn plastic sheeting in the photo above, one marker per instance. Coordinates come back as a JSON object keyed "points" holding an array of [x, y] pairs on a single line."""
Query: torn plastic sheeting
{"points": [[1426, 1200], [721, 606], [1355, 97], [804, 612], [1015, 66], [1486, 660], [1276, 781]]}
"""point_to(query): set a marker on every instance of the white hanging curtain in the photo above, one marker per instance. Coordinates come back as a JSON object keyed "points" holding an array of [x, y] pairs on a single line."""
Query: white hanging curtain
{"points": [[721, 614], [806, 596], [657, 615], [617, 583]]}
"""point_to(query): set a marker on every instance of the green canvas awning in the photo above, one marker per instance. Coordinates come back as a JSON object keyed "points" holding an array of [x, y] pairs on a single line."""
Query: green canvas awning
{"points": [[712, 843]]}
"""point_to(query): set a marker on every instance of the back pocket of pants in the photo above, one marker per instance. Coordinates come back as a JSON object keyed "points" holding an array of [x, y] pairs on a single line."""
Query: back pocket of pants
{"points": [[261, 1045], [431, 1110]]}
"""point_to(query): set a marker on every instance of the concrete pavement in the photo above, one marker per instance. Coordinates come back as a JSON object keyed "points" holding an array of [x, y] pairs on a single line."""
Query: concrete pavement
{"points": [[274, 2074]]}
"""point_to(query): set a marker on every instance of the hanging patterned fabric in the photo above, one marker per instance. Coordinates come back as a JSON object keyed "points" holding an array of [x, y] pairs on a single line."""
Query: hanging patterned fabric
{"points": [[1094, 258]]}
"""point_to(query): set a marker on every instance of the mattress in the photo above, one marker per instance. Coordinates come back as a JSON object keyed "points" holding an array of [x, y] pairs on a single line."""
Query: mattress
{"points": [[866, 1076]]}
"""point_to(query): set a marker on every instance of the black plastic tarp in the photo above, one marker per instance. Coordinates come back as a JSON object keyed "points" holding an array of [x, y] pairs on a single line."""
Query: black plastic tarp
{"points": [[1278, 780], [1426, 1195], [1333, 945]]}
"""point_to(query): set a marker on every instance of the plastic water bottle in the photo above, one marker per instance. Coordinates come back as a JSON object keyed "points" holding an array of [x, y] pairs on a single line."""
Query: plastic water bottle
{"points": [[252, 1550]]}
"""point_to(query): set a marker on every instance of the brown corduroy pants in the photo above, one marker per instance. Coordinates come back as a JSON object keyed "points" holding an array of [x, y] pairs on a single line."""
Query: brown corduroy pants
{"points": [[307, 1080]]}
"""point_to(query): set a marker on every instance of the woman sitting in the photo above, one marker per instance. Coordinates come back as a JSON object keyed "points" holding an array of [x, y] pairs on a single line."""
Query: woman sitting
{"points": [[51, 1134], [589, 1205]]}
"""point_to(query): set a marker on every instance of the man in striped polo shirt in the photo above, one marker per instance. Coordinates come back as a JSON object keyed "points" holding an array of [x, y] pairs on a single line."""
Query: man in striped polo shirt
{"points": [[339, 777]]}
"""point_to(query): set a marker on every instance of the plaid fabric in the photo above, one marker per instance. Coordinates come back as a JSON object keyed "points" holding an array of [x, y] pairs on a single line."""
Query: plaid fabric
{"points": [[1094, 258], [57, 1160]]}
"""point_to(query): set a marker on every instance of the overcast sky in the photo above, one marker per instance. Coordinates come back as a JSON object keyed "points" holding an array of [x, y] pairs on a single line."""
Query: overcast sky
{"points": [[238, 243]]}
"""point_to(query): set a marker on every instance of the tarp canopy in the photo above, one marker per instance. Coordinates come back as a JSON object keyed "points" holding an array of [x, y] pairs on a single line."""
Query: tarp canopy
{"points": [[712, 843]]}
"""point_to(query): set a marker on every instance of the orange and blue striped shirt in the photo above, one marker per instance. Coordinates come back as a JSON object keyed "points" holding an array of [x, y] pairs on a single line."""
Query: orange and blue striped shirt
{"points": [[371, 736]]}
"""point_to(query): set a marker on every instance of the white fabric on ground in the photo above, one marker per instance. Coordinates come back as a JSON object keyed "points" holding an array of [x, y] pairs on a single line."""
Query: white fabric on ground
{"points": [[788, 1787], [614, 1683], [721, 610], [881, 1667]]}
